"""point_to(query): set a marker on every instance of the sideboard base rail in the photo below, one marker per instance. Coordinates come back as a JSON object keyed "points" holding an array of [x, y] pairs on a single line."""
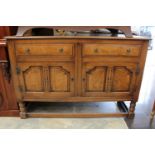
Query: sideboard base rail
{"points": [[75, 115], [129, 113]]}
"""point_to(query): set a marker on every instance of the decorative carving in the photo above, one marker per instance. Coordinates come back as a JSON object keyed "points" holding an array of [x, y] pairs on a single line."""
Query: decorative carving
{"points": [[152, 114], [132, 109], [46, 84], [22, 110], [6, 70]]}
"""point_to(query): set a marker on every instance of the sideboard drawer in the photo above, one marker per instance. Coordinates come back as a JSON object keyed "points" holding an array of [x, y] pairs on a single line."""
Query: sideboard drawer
{"points": [[45, 49], [111, 50]]}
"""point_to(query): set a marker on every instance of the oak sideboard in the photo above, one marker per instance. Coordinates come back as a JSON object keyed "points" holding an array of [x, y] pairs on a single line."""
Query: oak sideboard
{"points": [[76, 69]]}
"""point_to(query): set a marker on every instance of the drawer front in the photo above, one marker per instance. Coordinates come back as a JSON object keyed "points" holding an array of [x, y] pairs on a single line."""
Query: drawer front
{"points": [[45, 49], [111, 50]]}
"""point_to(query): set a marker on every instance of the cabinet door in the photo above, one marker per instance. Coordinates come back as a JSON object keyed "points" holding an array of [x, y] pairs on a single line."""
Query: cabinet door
{"points": [[102, 79], [94, 79], [123, 78], [46, 80]]}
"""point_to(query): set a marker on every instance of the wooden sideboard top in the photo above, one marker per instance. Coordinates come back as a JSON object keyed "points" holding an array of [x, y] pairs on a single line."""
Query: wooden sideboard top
{"points": [[77, 37]]}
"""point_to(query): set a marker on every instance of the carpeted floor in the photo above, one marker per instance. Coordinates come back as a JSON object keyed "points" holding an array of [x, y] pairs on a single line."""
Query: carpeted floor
{"points": [[62, 123]]}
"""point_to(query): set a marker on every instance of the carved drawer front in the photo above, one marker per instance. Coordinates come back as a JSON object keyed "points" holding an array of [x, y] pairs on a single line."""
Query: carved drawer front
{"points": [[46, 80], [45, 49], [111, 50]]}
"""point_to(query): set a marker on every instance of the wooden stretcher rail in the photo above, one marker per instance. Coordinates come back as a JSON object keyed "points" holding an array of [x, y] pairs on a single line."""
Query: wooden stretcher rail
{"points": [[75, 115]]}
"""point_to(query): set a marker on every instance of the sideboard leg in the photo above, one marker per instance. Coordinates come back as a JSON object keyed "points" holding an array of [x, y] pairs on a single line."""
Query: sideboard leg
{"points": [[152, 114], [22, 110], [153, 111], [132, 110]]}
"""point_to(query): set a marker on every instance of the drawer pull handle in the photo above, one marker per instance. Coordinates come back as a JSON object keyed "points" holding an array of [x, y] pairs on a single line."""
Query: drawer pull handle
{"points": [[27, 51], [96, 50], [128, 51], [84, 79], [61, 50], [72, 79]]}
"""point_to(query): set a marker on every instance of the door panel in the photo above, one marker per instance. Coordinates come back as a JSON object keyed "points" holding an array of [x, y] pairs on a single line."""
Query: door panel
{"points": [[123, 78], [60, 79], [94, 79], [46, 80], [103, 79], [33, 79]]}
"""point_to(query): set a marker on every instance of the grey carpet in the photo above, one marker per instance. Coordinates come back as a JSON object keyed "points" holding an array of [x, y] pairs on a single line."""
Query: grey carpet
{"points": [[62, 123]]}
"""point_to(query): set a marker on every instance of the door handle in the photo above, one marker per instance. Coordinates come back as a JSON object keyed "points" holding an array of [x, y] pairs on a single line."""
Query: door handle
{"points": [[84, 79], [96, 50], [72, 79], [61, 50], [27, 51]]}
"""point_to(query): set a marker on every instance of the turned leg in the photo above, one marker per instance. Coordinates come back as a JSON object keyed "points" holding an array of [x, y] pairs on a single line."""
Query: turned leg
{"points": [[22, 110], [132, 109], [153, 111]]}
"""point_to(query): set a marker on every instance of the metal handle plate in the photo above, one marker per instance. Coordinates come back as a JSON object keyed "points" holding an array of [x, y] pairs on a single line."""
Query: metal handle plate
{"points": [[96, 50], [84, 79], [128, 51], [27, 51], [72, 79], [61, 50]]}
